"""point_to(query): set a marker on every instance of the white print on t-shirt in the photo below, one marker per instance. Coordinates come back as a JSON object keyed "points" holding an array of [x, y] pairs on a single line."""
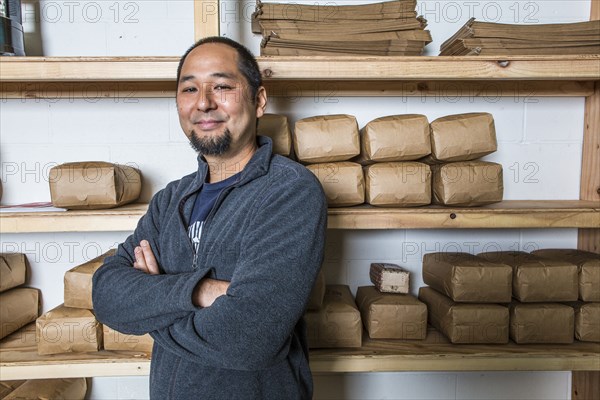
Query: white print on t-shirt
{"points": [[194, 233]]}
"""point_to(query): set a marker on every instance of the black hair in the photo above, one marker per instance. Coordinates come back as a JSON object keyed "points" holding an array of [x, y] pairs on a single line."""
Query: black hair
{"points": [[246, 62]]}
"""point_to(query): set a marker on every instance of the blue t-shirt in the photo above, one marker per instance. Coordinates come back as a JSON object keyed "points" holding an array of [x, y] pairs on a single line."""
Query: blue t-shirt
{"points": [[204, 203]]}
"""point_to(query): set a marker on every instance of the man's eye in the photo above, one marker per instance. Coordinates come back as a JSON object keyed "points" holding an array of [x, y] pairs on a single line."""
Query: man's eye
{"points": [[223, 87], [189, 90]]}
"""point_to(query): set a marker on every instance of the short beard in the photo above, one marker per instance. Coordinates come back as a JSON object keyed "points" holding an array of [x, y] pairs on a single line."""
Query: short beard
{"points": [[211, 146]]}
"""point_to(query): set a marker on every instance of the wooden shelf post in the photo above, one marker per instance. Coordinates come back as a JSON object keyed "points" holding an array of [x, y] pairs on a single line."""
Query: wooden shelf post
{"points": [[206, 18]]}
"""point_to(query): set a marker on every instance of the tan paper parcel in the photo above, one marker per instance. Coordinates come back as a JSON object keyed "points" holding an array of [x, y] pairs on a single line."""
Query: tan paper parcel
{"points": [[18, 307], [466, 278], [588, 264], [395, 138], [467, 183], [462, 137], [68, 330], [326, 138], [50, 389], [7, 387], [337, 323], [541, 323], [13, 270], [343, 182], [389, 278], [115, 340], [466, 322], [277, 128], [391, 316], [315, 301], [398, 184], [78, 282], [537, 279], [94, 185], [587, 321]]}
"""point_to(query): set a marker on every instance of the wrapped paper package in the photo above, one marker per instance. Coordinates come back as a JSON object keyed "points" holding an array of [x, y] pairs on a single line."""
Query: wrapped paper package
{"points": [[395, 138], [537, 279], [337, 323], [13, 270], [466, 278], [315, 301], [78, 282], [466, 323], [587, 321], [50, 389], [115, 340], [343, 182], [588, 264], [326, 138], [391, 316], [470, 183], [94, 185], [398, 184], [18, 307], [7, 387], [68, 330], [277, 128], [541, 323], [462, 137], [389, 278]]}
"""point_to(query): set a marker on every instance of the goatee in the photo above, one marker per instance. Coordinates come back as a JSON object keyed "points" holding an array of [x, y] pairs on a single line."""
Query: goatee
{"points": [[211, 146]]}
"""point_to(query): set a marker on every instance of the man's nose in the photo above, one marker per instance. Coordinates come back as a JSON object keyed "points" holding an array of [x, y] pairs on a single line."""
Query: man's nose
{"points": [[206, 99]]}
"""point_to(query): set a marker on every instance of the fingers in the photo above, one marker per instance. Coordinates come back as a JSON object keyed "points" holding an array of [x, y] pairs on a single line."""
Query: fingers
{"points": [[144, 259], [151, 263]]}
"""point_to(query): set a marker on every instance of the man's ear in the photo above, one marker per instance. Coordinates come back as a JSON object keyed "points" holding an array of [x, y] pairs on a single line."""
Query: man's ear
{"points": [[261, 101]]}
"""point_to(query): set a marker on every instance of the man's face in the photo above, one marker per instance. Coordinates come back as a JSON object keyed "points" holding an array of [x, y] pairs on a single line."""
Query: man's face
{"points": [[214, 105]]}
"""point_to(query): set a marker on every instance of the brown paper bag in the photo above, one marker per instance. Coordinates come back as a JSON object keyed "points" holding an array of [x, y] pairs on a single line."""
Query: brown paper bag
{"points": [[68, 330], [588, 264], [18, 307], [326, 138], [343, 182], [50, 389], [13, 270], [7, 387], [389, 278], [472, 183], [337, 323], [466, 278], [315, 301], [115, 340], [391, 316], [405, 184], [395, 138], [277, 128], [541, 323], [537, 279], [587, 321], [462, 137], [466, 323], [94, 185], [78, 282]]}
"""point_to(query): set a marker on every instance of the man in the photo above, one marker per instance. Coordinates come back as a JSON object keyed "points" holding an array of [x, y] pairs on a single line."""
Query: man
{"points": [[220, 268]]}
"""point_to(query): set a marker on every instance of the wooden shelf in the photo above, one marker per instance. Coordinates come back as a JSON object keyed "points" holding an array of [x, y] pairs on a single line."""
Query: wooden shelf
{"points": [[507, 214], [19, 358], [133, 77], [111, 220]]}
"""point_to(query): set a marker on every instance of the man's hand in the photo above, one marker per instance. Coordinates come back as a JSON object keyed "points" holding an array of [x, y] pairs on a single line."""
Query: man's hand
{"points": [[144, 259], [207, 291]]}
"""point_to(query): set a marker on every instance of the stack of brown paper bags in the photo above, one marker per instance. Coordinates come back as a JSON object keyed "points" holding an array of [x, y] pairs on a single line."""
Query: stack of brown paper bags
{"points": [[381, 29], [487, 38]]}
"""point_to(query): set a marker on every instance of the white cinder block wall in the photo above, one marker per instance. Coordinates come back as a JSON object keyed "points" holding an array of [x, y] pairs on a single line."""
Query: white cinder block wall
{"points": [[533, 134]]}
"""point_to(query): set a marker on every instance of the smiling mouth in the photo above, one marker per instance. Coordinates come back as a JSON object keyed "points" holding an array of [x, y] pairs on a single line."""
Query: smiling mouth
{"points": [[207, 125]]}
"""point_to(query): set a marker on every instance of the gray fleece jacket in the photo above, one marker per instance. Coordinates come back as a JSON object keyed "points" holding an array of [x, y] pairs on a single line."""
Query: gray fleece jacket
{"points": [[265, 235]]}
